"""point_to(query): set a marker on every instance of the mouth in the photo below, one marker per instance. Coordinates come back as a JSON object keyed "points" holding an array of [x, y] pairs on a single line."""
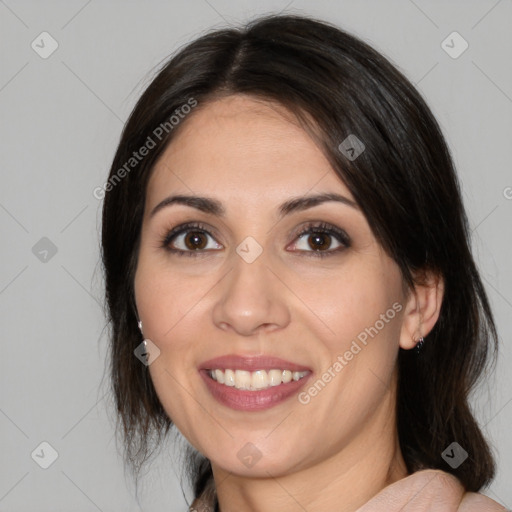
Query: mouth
{"points": [[252, 383]]}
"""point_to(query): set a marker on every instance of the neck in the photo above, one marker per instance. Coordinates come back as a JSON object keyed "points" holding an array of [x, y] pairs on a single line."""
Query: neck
{"points": [[343, 482]]}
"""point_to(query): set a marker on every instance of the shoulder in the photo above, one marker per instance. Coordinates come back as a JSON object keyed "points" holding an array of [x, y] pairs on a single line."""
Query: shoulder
{"points": [[422, 491], [475, 502], [429, 490], [449, 486]]}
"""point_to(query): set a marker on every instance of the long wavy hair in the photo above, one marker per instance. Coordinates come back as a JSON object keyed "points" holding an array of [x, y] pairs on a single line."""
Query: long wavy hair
{"points": [[404, 183]]}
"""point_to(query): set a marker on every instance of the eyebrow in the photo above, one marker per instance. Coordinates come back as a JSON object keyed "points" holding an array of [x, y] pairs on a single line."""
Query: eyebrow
{"points": [[214, 207]]}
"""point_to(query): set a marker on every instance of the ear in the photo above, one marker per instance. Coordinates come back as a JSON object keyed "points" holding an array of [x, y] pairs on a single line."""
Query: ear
{"points": [[422, 308]]}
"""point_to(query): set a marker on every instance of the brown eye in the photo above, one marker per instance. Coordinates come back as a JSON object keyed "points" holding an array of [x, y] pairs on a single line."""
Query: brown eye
{"points": [[319, 241], [189, 239], [195, 240]]}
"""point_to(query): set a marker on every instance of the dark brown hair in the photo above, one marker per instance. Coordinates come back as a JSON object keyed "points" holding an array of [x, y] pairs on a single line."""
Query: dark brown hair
{"points": [[404, 182]]}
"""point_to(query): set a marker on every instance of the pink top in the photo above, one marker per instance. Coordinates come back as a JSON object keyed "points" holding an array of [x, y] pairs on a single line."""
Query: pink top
{"points": [[424, 491]]}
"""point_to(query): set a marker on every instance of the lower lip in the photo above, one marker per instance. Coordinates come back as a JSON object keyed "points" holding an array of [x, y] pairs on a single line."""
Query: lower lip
{"points": [[243, 400]]}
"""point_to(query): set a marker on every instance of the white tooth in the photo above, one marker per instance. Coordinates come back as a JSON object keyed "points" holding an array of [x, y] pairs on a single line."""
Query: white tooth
{"points": [[229, 377], [274, 377], [259, 379], [286, 376], [242, 379]]}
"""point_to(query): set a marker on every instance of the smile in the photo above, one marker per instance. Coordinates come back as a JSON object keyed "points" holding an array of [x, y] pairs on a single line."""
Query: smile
{"points": [[253, 382]]}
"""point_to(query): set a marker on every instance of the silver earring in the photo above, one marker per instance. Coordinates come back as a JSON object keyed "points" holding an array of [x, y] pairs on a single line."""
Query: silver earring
{"points": [[140, 326], [419, 345]]}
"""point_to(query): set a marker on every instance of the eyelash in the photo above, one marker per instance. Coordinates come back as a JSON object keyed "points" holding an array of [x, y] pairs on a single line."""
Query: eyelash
{"points": [[309, 229]]}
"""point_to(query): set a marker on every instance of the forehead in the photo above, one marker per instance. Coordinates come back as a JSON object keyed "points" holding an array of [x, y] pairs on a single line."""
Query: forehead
{"points": [[239, 148]]}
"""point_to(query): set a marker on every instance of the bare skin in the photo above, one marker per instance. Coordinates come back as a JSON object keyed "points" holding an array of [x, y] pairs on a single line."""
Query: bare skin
{"points": [[340, 449]]}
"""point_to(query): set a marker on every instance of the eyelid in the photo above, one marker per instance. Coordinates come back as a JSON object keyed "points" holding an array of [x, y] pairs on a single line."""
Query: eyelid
{"points": [[324, 227], [185, 227]]}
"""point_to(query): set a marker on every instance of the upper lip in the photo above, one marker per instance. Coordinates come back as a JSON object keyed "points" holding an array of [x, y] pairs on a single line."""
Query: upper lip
{"points": [[251, 363]]}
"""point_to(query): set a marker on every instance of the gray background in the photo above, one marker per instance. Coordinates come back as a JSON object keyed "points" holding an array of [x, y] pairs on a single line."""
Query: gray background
{"points": [[61, 119]]}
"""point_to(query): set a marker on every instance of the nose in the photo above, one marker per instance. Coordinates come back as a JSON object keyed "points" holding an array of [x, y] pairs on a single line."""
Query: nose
{"points": [[251, 299]]}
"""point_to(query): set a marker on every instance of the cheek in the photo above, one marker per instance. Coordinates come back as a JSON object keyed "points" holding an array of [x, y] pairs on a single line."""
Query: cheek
{"points": [[167, 303], [164, 299], [359, 299], [361, 313]]}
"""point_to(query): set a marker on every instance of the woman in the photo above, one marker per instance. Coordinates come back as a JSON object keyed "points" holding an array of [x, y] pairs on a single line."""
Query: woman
{"points": [[287, 254]]}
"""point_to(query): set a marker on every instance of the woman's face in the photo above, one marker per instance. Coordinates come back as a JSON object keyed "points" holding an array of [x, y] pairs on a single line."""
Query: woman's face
{"points": [[243, 295]]}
